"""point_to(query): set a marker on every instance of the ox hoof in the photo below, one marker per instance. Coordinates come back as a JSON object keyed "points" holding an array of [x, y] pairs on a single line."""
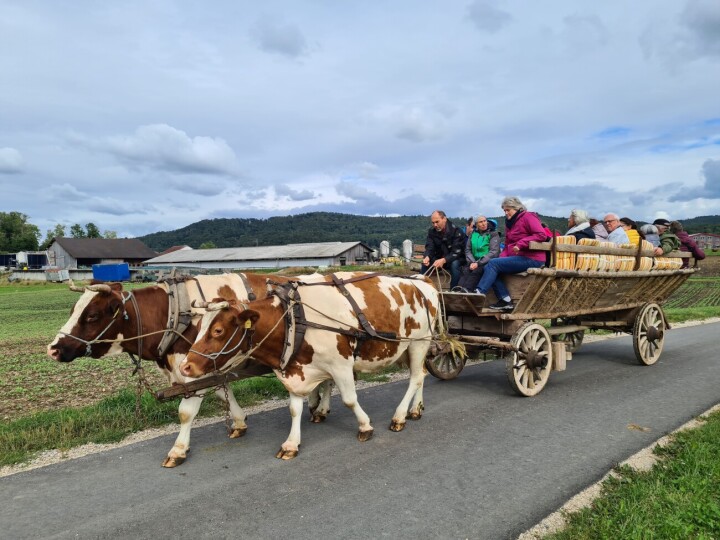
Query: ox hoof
{"points": [[286, 454], [414, 415], [236, 433], [364, 436], [318, 418], [397, 426], [171, 462]]}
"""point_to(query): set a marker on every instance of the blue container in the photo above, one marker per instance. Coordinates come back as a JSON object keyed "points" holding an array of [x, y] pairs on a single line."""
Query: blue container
{"points": [[111, 272]]}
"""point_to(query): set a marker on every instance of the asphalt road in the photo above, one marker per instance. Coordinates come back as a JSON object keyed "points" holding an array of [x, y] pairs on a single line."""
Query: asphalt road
{"points": [[482, 463]]}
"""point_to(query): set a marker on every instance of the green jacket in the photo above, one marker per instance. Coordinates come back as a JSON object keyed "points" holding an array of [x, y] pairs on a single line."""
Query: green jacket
{"points": [[669, 242]]}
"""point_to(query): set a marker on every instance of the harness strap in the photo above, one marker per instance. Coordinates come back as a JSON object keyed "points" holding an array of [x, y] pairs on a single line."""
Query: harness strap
{"points": [[179, 311]]}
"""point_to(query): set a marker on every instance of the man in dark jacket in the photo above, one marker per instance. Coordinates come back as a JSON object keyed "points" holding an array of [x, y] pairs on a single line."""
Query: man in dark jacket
{"points": [[444, 247]]}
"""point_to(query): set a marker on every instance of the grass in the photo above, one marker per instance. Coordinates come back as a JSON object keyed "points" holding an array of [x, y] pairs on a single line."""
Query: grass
{"points": [[678, 498]]}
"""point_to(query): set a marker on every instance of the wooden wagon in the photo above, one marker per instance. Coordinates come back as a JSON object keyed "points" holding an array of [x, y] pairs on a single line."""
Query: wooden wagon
{"points": [[573, 301]]}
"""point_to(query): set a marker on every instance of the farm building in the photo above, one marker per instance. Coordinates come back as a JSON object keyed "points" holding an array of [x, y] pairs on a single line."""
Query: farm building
{"points": [[317, 254], [84, 252], [707, 240]]}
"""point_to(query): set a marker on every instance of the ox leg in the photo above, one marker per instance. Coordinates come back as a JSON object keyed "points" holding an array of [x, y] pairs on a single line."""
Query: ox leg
{"points": [[189, 407], [239, 427], [415, 389], [291, 446], [346, 386], [319, 401]]}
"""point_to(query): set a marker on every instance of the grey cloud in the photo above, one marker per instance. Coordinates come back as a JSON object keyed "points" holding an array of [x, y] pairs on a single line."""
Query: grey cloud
{"points": [[164, 147], [701, 21], [487, 17], [585, 30], [710, 188], [70, 196], [11, 161], [276, 37], [284, 190], [197, 186], [355, 192]]}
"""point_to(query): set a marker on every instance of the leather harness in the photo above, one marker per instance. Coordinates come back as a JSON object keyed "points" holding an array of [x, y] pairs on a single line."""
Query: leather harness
{"points": [[296, 323]]}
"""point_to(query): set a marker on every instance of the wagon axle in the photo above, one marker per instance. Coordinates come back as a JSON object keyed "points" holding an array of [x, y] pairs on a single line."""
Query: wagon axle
{"points": [[534, 360]]}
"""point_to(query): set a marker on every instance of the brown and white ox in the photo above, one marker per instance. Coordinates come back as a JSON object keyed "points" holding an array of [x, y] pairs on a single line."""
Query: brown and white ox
{"points": [[405, 307], [104, 322]]}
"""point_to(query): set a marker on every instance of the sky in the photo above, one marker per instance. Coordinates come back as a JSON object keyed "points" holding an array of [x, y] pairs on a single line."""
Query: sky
{"points": [[148, 115]]}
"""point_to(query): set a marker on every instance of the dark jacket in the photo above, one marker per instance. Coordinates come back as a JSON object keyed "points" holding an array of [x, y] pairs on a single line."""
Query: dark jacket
{"points": [[448, 244], [688, 244], [585, 232]]}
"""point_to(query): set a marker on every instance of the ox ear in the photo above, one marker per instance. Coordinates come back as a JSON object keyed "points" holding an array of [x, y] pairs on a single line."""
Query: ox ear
{"points": [[247, 318]]}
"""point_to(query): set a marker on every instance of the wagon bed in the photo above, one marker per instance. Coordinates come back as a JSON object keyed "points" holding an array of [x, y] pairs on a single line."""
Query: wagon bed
{"points": [[574, 301]]}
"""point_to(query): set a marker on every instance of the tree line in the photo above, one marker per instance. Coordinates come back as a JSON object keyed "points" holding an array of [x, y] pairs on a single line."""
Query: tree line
{"points": [[18, 234]]}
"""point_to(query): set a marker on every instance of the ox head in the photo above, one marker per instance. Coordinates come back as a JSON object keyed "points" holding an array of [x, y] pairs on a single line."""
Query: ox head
{"points": [[226, 332], [97, 312]]}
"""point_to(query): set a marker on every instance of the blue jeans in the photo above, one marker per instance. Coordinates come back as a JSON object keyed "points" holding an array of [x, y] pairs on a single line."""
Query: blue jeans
{"points": [[504, 265], [455, 271]]}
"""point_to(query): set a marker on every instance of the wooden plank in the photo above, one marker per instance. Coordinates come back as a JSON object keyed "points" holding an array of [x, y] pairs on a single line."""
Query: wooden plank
{"points": [[603, 250]]}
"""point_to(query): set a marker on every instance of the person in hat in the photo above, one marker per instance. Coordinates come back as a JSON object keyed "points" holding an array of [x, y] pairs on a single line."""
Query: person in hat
{"points": [[668, 241], [482, 245]]}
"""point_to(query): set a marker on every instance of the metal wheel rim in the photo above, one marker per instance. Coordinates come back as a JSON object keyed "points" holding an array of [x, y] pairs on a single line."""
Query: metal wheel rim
{"points": [[445, 366], [649, 321], [531, 337]]}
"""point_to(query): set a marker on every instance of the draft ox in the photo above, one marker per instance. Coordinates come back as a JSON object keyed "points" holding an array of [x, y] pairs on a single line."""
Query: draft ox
{"points": [[325, 329], [108, 320]]}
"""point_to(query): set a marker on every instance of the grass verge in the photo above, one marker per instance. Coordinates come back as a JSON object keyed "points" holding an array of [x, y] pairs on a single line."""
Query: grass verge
{"points": [[678, 498]]}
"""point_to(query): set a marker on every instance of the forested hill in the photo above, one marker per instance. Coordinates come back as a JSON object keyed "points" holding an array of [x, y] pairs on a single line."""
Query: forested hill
{"points": [[332, 227]]}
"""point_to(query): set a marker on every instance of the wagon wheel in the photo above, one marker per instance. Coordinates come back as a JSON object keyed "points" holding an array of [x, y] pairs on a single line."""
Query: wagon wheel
{"points": [[528, 369], [649, 334], [445, 365], [572, 340]]}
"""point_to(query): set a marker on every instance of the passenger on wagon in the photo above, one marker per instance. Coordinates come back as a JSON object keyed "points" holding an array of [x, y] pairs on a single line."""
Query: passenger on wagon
{"points": [[482, 246], [650, 233], [631, 229], [599, 229], [616, 234], [444, 247], [521, 228], [668, 241], [579, 224], [687, 243]]}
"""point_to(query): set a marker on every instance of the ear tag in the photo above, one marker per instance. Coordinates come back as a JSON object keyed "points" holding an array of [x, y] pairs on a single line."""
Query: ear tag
{"points": [[248, 323]]}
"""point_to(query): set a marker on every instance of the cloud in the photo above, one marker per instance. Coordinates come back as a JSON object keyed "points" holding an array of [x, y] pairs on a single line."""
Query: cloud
{"points": [[710, 188], [163, 147], [275, 37], [700, 21], [418, 123], [11, 161], [284, 190], [197, 186], [66, 195], [486, 17]]}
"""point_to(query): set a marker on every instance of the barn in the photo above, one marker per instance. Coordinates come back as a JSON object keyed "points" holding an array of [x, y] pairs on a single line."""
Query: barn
{"points": [[707, 240], [70, 253], [315, 254]]}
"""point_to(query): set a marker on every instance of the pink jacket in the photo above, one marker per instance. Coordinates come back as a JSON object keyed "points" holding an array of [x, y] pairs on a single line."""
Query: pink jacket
{"points": [[527, 228]]}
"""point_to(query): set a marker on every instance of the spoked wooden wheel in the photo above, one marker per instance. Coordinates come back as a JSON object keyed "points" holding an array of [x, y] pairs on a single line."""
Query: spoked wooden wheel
{"points": [[528, 369], [445, 365], [573, 340], [649, 334]]}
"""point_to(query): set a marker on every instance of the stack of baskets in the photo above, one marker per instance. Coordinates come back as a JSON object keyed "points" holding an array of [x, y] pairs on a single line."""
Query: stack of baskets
{"points": [[587, 261], [565, 259]]}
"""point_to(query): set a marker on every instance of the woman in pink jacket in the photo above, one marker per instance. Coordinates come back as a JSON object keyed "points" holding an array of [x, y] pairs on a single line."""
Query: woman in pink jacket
{"points": [[521, 228]]}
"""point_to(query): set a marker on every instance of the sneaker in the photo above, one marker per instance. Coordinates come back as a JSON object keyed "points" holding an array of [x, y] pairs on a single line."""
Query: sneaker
{"points": [[503, 305]]}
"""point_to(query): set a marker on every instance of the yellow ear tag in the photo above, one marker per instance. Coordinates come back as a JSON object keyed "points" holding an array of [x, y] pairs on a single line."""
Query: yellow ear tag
{"points": [[248, 323]]}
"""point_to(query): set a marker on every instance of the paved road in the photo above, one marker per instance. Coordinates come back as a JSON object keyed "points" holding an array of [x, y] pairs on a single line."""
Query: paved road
{"points": [[481, 463]]}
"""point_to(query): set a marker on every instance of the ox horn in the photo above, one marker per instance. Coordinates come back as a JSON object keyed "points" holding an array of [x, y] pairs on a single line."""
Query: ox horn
{"points": [[74, 287], [217, 306], [99, 287], [200, 304]]}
